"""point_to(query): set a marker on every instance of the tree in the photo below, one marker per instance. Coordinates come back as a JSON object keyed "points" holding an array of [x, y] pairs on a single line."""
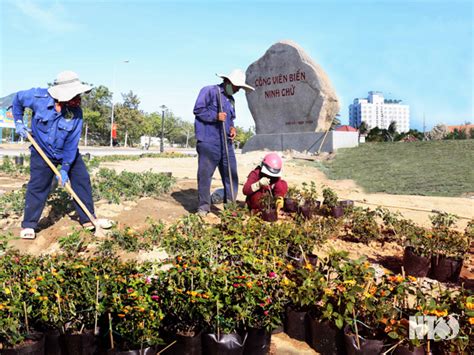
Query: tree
{"points": [[363, 128], [130, 120], [389, 134], [375, 135], [96, 107], [243, 135]]}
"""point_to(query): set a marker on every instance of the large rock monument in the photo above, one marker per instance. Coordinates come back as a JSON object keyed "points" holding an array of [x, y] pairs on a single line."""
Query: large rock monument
{"points": [[293, 100]]}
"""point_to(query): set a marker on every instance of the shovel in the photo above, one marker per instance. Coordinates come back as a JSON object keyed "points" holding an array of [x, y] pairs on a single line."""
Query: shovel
{"points": [[231, 183], [99, 232]]}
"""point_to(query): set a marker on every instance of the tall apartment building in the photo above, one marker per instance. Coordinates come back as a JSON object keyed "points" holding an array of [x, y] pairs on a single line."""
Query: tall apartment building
{"points": [[379, 112]]}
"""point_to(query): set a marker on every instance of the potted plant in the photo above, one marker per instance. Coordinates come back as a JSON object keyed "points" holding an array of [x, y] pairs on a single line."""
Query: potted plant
{"points": [[269, 212], [16, 335], [297, 284], [292, 199], [363, 227], [309, 203], [133, 313], [448, 247], [184, 303], [334, 299], [223, 316], [265, 302], [331, 203]]}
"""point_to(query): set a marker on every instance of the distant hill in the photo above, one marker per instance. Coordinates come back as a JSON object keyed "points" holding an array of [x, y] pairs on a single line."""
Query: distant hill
{"points": [[7, 100]]}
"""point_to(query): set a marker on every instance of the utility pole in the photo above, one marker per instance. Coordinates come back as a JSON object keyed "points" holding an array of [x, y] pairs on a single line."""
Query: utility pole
{"points": [[162, 147]]}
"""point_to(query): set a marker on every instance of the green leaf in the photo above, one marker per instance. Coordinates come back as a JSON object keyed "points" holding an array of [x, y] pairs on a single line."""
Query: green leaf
{"points": [[393, 335]]}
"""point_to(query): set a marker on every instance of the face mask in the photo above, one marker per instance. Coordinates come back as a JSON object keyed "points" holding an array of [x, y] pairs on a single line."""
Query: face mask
{"points": [[228, 89]]}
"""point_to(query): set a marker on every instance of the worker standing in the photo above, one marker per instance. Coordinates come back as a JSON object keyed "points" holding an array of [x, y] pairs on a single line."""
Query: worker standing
{"points": [[214, 127]]}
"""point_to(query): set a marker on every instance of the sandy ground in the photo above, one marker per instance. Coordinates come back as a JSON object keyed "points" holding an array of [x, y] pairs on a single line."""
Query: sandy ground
{"points": [[417, 208]]}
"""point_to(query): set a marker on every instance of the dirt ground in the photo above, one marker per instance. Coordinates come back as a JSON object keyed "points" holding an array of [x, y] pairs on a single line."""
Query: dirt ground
{"points": [[183, 198]]}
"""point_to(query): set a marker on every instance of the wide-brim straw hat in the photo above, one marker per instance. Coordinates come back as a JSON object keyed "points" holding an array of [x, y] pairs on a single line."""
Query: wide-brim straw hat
{"points": [[66, 86], [237, 78]]}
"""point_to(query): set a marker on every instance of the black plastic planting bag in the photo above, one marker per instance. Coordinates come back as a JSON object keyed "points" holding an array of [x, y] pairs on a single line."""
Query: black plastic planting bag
{"points": [[258, 342], [415, 265], [367, 347], [78, 344], [226, 344], [185, 345], [445, 269], [35, 348], [295, 324], [325, 337], [145, 351]]}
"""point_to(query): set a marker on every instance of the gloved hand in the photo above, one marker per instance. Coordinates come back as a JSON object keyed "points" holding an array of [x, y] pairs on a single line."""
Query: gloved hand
{"points": [[279, 203], [21, 130], [260, 183], [64, 177]]}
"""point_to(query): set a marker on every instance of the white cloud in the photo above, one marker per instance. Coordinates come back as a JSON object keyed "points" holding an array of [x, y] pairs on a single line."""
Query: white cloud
{"points": [[51, 17]]}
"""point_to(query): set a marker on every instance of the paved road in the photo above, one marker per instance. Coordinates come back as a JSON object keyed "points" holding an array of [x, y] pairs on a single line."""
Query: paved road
{"points": [[17, 149]]}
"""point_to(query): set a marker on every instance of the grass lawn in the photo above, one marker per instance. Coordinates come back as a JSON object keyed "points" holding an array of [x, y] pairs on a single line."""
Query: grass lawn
{"points": [[434, 168]]}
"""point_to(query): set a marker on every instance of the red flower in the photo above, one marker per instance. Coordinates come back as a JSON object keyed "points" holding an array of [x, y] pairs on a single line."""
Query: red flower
{"points": [[271, 274], [265, 313], [155, 297]]}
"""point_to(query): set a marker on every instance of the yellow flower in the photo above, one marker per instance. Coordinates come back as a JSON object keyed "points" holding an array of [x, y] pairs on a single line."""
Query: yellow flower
{"points": [[39, 278], [1, 306], [265, 252], [469, 305], [350, 282], [121, 315], [289, 267], [412, 279], [328, 291], [32, 290], [308, 266], [7, 291], [249, 284], [285, 281], [471, 320]]}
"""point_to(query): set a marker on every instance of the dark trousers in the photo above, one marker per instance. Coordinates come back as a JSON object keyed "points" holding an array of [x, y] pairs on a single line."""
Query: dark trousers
{"points": [[212, 156], [39, 187]]}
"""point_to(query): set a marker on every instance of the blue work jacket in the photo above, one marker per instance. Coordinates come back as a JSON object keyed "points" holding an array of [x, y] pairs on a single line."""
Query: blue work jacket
{"points": [[57, 133], [206, 125]]}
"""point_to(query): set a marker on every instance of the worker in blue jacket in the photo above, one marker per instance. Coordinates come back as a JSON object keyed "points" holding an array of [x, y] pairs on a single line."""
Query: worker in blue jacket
{"points": [[211, 138], [56, 126]]}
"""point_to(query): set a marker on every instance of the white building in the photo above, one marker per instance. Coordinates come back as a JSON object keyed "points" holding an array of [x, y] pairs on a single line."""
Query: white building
{"points": [[379, 112]]}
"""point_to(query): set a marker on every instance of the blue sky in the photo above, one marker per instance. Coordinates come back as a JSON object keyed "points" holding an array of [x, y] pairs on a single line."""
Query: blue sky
{"points": [[417, 51]]}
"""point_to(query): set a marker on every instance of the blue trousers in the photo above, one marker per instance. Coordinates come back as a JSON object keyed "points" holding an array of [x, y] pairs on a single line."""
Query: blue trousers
{"points": [[210, 157], [39, 187]]}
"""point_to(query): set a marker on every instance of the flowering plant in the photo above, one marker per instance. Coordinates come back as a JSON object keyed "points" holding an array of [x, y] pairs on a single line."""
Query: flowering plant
{"points": [[134, 306], [184, 299]]}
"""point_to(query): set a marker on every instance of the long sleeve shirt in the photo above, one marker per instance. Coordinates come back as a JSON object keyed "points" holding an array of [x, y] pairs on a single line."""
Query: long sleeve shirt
{"points": [[57, 133], [254, 176], [206, 125]]}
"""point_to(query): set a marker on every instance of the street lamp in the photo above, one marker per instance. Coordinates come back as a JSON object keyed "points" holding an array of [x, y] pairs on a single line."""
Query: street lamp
{"points": [[113, 92], [162, 147]]}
